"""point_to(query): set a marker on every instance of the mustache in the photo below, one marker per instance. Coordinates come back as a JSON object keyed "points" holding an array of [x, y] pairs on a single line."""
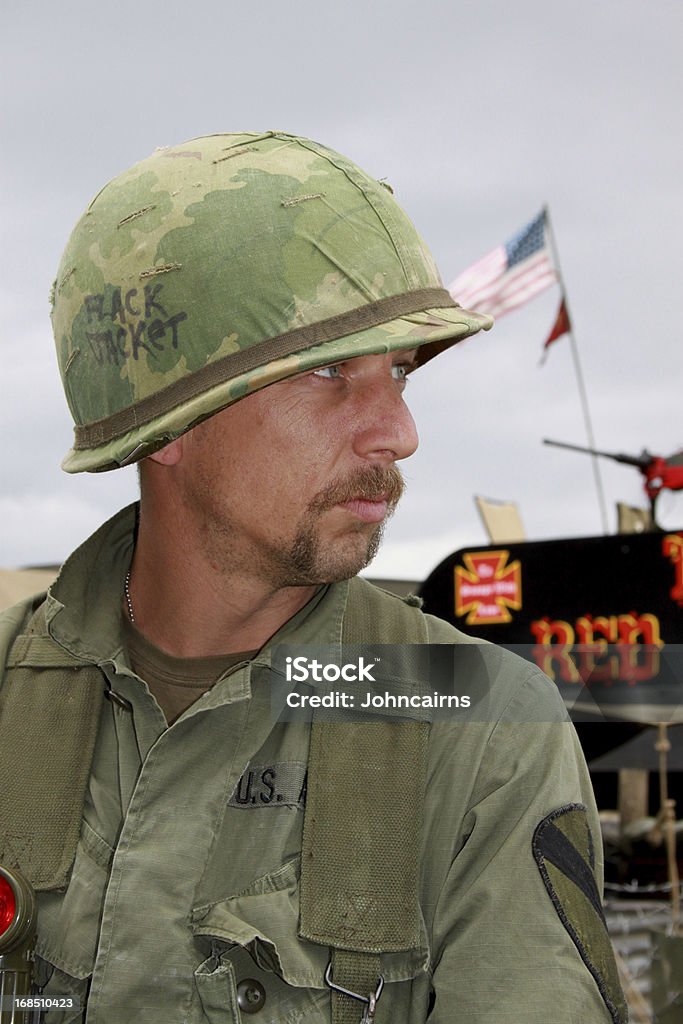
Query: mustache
{"points": [[373, 483]]}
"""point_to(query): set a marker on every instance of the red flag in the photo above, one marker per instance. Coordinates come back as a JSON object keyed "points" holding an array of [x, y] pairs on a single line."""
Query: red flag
{"points": [[561, 325]]}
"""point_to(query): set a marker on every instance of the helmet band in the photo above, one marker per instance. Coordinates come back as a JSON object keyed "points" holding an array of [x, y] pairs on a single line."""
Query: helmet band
{"points": [[91, 435]]}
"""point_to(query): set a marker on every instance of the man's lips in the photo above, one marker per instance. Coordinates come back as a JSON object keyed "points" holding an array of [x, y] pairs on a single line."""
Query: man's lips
{"points": [[368, 510], [369, 494]]}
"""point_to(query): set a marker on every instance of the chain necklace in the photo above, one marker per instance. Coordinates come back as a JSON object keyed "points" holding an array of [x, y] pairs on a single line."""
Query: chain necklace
{"points": [[126, 590]]}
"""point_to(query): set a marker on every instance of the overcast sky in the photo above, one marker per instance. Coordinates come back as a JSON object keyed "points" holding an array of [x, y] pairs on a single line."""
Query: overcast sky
{"points": [[477, 112]]}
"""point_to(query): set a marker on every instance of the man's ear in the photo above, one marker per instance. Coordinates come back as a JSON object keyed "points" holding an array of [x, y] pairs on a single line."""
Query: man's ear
{"points": [[170, 454]]}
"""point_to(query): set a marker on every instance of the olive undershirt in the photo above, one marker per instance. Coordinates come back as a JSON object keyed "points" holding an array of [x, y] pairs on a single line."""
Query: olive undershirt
{"points": [[175, 683]]}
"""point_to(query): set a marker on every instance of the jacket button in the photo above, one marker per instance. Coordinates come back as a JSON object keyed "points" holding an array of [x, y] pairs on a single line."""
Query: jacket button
{"points": [[251, 995]]}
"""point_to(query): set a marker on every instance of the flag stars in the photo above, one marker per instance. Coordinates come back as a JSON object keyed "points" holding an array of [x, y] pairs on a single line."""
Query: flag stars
{"points": [[526, 242]]}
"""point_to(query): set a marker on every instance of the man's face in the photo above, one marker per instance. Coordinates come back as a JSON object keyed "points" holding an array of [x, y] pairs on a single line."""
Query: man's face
{"points": [[294, 483]]}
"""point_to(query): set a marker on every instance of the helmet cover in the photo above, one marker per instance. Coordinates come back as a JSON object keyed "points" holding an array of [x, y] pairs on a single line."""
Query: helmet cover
{"points": [[217, 267]]}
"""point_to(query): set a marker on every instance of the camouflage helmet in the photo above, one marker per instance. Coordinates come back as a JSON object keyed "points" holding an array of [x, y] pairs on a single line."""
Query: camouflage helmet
{"points": [[219, 266]]}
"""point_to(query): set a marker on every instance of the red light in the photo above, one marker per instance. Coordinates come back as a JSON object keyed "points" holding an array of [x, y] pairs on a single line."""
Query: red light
{"points": [[7, 905]]}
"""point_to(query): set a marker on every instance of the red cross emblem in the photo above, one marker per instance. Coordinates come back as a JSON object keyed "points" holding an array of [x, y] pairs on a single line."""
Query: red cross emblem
{"points": [[487, 587]]}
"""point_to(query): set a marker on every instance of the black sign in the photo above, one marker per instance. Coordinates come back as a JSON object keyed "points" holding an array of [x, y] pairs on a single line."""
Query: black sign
{"points": [[602, 616]]}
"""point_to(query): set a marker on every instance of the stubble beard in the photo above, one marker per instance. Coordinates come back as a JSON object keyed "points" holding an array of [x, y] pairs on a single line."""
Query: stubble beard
{"points": [[306, 560], [307, 563]]}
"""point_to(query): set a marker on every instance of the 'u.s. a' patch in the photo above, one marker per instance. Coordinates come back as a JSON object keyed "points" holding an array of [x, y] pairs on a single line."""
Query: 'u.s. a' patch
{"points": [[563, 848]]}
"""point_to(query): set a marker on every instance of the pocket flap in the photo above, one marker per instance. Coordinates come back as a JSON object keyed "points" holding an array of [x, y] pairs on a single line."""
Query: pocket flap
{"points": [[264, 918]]}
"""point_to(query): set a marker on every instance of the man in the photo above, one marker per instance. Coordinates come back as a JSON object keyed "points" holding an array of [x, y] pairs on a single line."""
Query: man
{"points": [[239, 315]]}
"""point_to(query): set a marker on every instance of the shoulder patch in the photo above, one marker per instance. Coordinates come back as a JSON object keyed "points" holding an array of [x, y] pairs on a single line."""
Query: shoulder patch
{"points": [[563, 849]]}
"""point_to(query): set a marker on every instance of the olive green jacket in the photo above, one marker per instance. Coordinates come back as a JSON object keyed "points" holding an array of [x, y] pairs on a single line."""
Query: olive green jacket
{"points": [[185, 883]]}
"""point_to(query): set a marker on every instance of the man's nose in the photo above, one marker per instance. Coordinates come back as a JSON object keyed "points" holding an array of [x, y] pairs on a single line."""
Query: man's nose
{"points": [[385, 429]]}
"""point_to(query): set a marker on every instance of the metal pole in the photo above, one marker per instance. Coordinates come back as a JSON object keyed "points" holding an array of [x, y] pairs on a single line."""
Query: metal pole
{"points": [[579, 375], [667, 813]]}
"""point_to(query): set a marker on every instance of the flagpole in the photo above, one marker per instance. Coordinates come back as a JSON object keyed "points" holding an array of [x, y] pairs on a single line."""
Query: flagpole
{"points": [[579, 374]]}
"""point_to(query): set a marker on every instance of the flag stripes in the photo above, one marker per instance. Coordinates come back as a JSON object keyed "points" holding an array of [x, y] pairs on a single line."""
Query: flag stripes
{"points": [[510, 275]]}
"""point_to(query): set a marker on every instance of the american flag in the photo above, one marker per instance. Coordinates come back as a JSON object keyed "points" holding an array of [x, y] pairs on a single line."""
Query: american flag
{"points": [[510, 275]]}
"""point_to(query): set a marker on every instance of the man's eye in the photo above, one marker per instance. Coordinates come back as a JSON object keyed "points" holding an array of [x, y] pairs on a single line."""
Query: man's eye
{"points": [[399, 371], [331, 372]]}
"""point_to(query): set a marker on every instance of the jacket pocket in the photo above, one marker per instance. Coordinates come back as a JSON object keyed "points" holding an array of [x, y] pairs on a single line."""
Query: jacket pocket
{"points": [[68, 927], [254, 936]]}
